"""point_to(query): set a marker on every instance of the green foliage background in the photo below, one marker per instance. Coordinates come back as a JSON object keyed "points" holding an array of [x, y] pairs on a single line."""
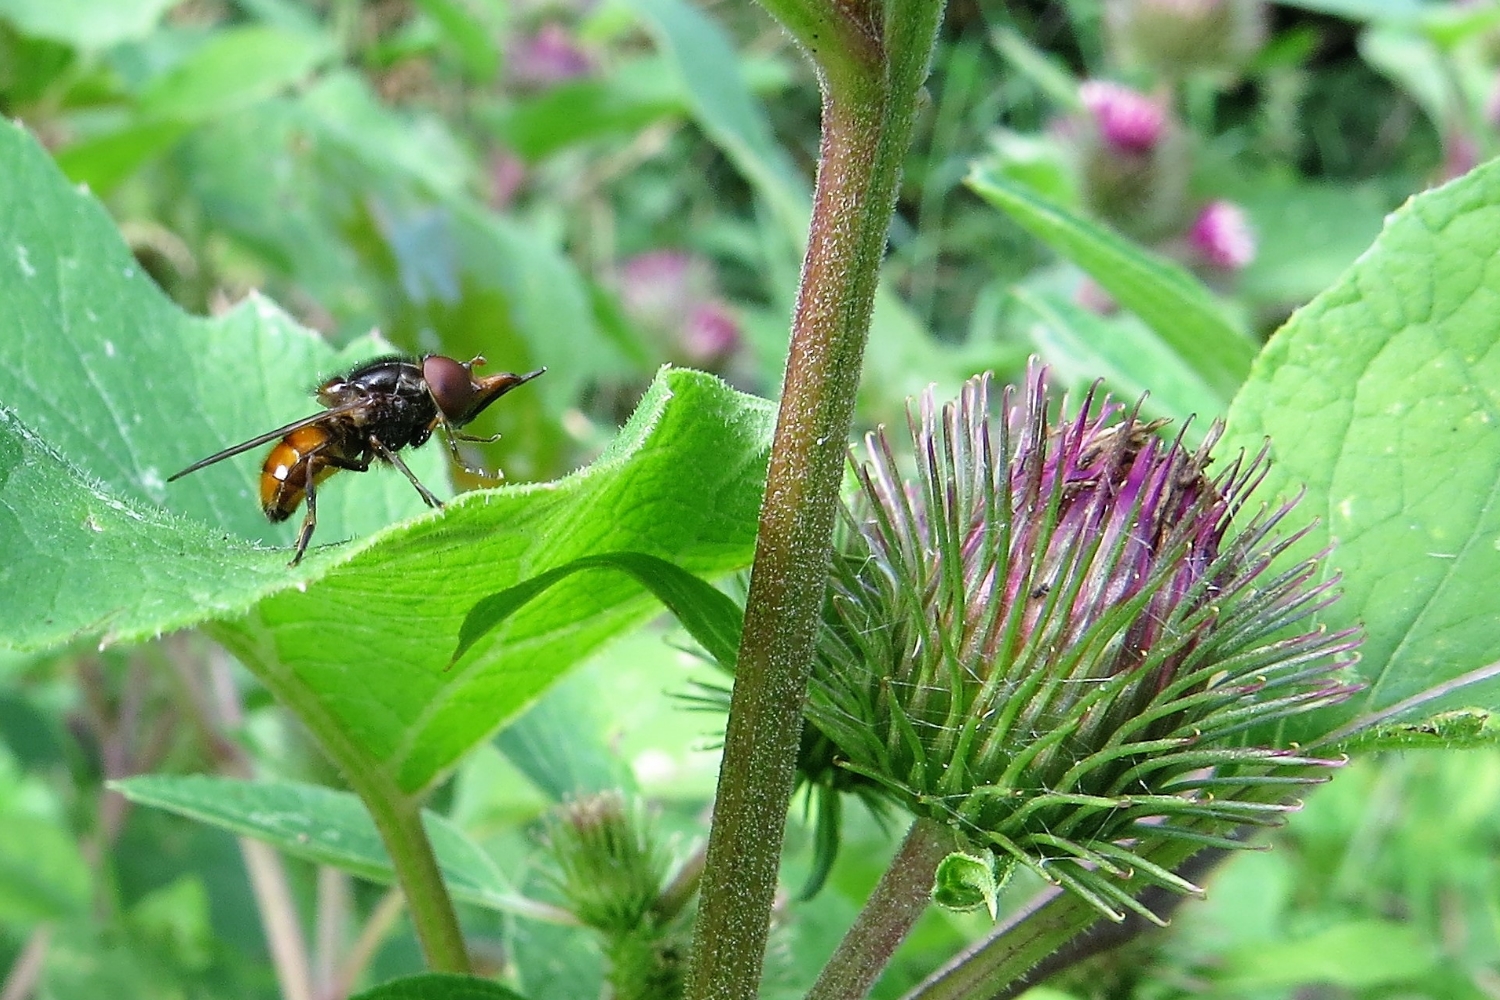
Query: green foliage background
{"points": [[205, 208]]}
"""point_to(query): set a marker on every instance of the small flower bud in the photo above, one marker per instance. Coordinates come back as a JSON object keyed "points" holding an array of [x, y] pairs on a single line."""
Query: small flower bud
{"points": [[613, 875], [1133, 162], [1221, 237], [611, 870], [966, 882], [1175, 37]]}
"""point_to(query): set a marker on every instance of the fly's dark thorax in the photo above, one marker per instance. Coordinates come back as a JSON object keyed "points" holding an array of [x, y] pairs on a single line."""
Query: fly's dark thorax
{"points": [[398, 410], [399, 421]]}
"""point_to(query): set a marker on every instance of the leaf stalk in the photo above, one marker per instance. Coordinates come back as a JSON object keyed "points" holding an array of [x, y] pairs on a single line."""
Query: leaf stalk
{"points": [[899, 899]]}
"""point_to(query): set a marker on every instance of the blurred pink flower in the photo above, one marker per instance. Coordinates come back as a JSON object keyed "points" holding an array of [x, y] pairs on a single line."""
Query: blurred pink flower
{"points": [[711, 333], [507, 173], [1221, 236], [549, 57], [1127, 120], [671, 294], [1091, 295], [659, 285]]}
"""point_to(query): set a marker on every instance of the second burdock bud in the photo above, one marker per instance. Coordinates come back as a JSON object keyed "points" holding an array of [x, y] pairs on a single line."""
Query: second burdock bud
{"points": [[614, 876], [1173, 38], [1133, 161]]}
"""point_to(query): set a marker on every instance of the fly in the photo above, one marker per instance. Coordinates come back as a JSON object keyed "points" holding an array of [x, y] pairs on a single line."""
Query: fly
{"points": [[371, 414]]}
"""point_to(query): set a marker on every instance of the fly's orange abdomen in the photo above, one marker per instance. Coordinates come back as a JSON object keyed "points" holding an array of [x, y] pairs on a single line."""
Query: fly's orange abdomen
{"points": [[283, 479]]}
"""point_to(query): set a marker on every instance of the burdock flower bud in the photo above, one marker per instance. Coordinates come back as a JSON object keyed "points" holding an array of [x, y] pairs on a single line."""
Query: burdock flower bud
{"points": [[1133, 161], [1174, 37], [1064, 639], [613, 874], [611, 871]]}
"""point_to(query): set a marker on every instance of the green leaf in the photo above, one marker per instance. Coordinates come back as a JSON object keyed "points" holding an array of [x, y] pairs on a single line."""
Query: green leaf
{"points": [[1382, 399], [560, 743], [235, 67], [469, 35], [85, 24], [1355, 955], [1308, 235], [1172, 302], [708, 614], [103, 161], [1047, 73], [1460, 729], [42, 874], [439, 986], [1126, 355], [636, 93], [704, 59], [326, 827], [110, 388]]}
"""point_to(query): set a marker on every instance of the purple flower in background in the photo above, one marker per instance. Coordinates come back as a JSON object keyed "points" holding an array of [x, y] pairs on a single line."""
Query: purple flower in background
{"points": [[547, 58], [1221, 236], [658, 285], [1061, 637], [1127, 120], [711, 334], [670, 293], [507, 172]]}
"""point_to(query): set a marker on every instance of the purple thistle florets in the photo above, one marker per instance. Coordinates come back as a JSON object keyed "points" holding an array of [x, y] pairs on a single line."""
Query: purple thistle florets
{"points": [[1050, 639], [1127, 120], [1221, 236]]}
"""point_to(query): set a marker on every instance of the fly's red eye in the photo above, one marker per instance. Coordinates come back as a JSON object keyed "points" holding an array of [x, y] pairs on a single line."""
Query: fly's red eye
{"points": [[451, 385]]}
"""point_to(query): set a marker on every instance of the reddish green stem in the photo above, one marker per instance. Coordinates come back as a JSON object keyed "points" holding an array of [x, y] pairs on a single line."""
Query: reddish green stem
{"points": [[898, 900], [870, 71]]}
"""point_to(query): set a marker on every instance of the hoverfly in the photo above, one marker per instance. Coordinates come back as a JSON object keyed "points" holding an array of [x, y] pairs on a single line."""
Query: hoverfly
{"points": [[372, 413]]}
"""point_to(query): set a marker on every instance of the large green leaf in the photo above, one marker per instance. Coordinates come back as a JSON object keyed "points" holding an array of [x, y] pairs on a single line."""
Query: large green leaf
{"points": [[109, 388], [327, 827], [439, 986], [710, 616], [236, 67], [85, 24], [1382, 399], [1182, 312]]}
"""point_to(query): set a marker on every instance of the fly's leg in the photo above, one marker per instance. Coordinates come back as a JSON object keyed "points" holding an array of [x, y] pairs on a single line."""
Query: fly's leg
{"points": [[452, 437], [385, 453], [310, 520], [312, 462]]}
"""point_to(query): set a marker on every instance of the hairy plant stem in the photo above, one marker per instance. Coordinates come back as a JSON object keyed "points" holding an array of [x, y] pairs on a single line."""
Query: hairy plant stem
{"points": [[399, 820], [888, 915], [870, 73], [397, 813]]}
